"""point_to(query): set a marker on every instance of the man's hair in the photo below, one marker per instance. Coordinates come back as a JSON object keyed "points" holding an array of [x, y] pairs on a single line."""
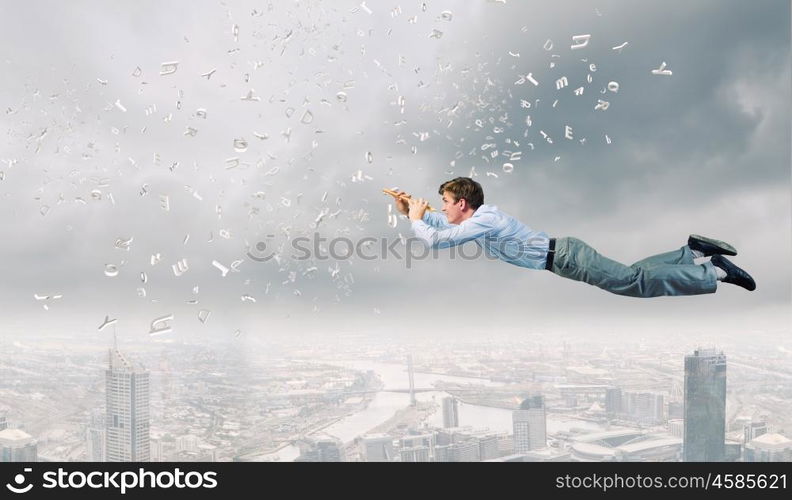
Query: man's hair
{"points": [[464, 187]]}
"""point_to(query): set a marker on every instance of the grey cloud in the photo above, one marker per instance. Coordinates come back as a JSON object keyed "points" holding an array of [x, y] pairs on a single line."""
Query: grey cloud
{"points": [[686, 153]]}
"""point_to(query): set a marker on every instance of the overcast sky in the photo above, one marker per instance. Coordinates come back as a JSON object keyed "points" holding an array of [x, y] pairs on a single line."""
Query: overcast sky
{"points": [[346, 98]]}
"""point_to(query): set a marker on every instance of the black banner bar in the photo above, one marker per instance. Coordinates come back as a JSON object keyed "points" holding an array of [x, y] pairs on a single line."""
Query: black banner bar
{"points": [[560, 479]]}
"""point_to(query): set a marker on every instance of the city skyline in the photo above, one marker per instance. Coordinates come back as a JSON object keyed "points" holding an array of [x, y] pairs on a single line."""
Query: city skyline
{"points": [[579, 380]]}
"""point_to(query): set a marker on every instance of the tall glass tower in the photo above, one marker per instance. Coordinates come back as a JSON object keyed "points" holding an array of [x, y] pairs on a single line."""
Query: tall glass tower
{"points": [[450, 412], [127, 415], [705, 406], [530, 425]]}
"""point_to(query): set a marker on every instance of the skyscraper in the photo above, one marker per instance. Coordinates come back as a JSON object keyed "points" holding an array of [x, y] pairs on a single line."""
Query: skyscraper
{"points": [[321, 449], [769, 448], [417, 447], [613, 401], [95, 438], [376, 448], [157, 449], [17, 446], [488, 447], [127, 413], [753, 430], [705, 406], [530, 425], [644, 407], [450, 412]]}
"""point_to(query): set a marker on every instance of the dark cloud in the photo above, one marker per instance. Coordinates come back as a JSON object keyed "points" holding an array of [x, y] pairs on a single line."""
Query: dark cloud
{"points": [[705, 150]]}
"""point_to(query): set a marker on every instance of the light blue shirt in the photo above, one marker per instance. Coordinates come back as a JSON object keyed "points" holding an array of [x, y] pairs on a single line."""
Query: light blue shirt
{"points": [[499, 234]]}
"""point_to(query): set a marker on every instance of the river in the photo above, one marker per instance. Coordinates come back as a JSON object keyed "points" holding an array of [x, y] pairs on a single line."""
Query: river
{"points": [[385, 404]]}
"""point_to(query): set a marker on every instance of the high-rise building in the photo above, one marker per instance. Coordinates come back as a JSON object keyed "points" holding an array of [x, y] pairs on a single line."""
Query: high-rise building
{"points": [[95, 438], [188, 442], [676, 427], [376, 448], [613, 401], [415, 455], [321, 449], [95, 444], [753, 430], [732, 450], [450, 412], [644, 407], [488, 447], [466, 451], [17, 445], [529, 424], [418, 454], [769, 448], [3, 421], [157, 450], [505, 445], [442, 453], [676, 410], [445, 437], [127, 412], [705, 406], [417, 447]]}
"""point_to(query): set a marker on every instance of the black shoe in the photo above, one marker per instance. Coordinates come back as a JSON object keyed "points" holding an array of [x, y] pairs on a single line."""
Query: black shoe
{"points": [[710, 247], [734, 274]]}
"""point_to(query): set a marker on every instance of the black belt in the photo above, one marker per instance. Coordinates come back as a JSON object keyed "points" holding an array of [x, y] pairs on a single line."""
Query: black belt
{"points": [[550, 254]]}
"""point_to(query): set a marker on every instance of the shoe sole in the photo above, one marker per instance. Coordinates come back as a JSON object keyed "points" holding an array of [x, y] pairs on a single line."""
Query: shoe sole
{"points": [[728, 249]]}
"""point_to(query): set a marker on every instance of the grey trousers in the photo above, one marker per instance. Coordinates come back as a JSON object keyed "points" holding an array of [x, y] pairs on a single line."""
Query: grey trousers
{"points": [[670, 273]]}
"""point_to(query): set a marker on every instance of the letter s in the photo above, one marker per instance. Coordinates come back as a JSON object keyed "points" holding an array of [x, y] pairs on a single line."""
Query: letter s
{"points": [[209, 478], [49, 479], [306, 252]]}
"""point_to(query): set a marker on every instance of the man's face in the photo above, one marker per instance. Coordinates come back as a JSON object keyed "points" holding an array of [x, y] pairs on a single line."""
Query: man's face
{"points": [[452, 208]]}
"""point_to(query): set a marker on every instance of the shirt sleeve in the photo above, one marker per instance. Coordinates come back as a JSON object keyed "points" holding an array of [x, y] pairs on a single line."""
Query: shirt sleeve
{"points": [[471, 229], [437, 220]]}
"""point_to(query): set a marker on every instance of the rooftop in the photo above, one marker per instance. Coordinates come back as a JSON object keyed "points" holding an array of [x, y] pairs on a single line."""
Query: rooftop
{"points": [[771, 441], [14, 436], [650, 444], [601, 436]]}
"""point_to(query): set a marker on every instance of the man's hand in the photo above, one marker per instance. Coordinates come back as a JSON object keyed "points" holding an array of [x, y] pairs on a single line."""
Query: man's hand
{"points": [[417, 208], [401, 202]]}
